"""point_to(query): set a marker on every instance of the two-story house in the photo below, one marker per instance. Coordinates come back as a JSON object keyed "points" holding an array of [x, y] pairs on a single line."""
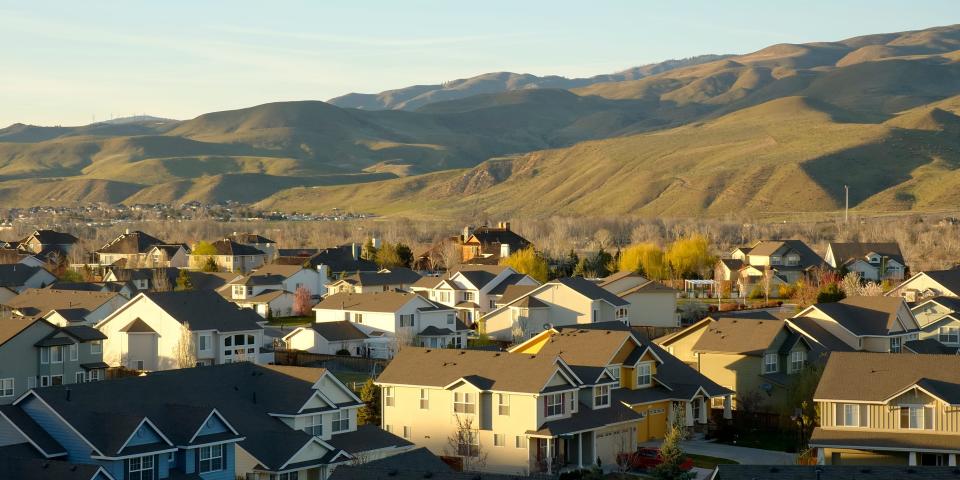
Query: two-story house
{"points": [[872, 324], [939, 321], [560, 302], [408, 318], [264, 244], [879, 408], [651, 303], [488, 245], [35, 353], [277, 422], [776, 261], [271, 289], [338, 261], [473, 290], [875, 261], [146, 278], [129, 249], [17, 277], [75, 306], [44, 242], [168, 330], [383, 280], [168, 256], [230, 256], [931, 283]]}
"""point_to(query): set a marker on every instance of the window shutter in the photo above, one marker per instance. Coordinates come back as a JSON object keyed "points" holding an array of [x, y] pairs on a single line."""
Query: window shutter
{"points": [[928, 418], [864, 415], [838, 410]]}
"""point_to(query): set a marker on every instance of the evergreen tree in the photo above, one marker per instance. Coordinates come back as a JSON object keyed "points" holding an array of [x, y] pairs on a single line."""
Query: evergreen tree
{"points": [[184, 282], [369, 413], [672, 454], [369, 252], [406, 255]]}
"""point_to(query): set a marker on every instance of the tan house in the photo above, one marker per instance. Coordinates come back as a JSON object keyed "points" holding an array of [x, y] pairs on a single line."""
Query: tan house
{"points": [[561, 302], [931, 283], [879, 408], [652, 304], [128, 250], [168, 256], [939, 321], [231, 256], [780, 261], [473, 290], [876, 261], [489, 245], [872, 324]]}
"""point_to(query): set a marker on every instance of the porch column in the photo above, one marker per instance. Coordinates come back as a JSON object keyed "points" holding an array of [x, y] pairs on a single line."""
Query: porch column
{"points": [[550, 456], [580, 450], [727, 407], [703, 410], [821, 458], [913, 459], [952, 459], [593, 447], [688, 413]]}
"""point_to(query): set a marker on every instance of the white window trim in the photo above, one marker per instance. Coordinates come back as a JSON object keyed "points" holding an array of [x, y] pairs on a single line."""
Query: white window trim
{"points": [[640, 368], [601, 392], [469, 402], [503, 402], [424, 399], [211, 457], [775, 364], [3, 387]]}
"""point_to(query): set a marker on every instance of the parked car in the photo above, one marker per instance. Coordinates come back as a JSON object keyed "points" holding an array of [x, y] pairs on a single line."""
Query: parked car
{"points": [[648, 457]]}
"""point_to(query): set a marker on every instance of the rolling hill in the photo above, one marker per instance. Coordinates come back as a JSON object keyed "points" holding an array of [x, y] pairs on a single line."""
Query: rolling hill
{"points": [[780, 129]]}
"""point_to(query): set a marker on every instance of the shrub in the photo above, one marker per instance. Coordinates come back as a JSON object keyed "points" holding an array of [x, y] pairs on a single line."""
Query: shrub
{"points": [[343, 351]]}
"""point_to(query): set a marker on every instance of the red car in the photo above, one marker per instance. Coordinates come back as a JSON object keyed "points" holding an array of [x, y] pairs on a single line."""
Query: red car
{"points": [[648, 457]]}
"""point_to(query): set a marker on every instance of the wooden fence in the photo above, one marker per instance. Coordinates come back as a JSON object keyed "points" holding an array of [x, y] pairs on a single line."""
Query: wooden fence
{"points": [[333, 362]]}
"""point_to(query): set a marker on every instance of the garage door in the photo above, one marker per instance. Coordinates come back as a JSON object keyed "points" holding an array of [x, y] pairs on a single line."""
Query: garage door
{"points": [[616, 440]]}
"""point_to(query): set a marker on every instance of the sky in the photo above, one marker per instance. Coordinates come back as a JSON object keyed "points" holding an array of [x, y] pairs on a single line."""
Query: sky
{"points": [[70, 63]]}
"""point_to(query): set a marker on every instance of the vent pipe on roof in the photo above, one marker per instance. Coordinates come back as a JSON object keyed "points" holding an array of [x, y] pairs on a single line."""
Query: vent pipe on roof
{"points": [[67, 391]]}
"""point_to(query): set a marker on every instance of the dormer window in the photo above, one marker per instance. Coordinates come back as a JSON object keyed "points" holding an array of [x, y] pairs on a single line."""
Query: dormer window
{"points": [[464, 402], [553, 405], [621, 313], [614, 372], [916, 417], [797, 360], [873, 258], [770, 363], [601, 396], [644, 375], [793, 260]]}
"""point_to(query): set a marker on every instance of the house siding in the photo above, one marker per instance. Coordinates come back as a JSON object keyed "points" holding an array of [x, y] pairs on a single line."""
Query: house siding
{"points": [[78, 450]]}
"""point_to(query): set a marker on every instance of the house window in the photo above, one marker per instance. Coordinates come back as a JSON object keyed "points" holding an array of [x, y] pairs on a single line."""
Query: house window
{"points": [[80, 377], [468, 296], [424, 399], [851, 415], [6, 387], [74, 352], [949, 335], [407, 433], [314, 425], [774, 260], [499, 440], [916, 417], [793, 260], [358, 317], [503, 404], [285, 476], [621, 313], [406, 320], [614, 372], [894, 344], [341, 421], [572, 401], [468, 445], [594, 314], [96, 347], [797, 360], [770, 363], [211, 458], [492, 304], [644, 375], [518, 442], [553, 404], [95, 375], [140, 468], [31, 382], [44, 356], [45, 381], [451, 318], [56, 380], [388, 396], [56, 355], [463, 402], [601, 396], [203, 342], [695, 406]]}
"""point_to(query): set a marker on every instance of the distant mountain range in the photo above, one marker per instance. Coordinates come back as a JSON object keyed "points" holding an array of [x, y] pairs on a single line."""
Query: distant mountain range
{"points": [[781, 129]]}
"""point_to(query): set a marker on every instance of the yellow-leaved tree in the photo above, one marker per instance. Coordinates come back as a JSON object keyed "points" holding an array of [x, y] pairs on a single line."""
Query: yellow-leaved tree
{"points": [[689, 256], [645, 258], [529, 262]]}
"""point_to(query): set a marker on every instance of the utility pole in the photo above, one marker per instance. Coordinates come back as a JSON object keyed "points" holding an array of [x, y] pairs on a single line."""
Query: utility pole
{"points": [[846, 207]]}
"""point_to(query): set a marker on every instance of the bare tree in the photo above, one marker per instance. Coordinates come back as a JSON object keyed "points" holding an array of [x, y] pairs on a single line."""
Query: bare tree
{"points": [[302, 301], [186, 351], [464, 443], [161, 282], [450, 255]]}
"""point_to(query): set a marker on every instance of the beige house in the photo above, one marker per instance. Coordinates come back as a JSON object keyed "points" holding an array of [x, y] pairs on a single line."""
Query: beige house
{"points": [[879, 408], [473, 290], [931, 283], [231, 256], [780, 261], [872, 324], [560, 302], [168, 256], [939, 321], [652, 304], [128, 250]]}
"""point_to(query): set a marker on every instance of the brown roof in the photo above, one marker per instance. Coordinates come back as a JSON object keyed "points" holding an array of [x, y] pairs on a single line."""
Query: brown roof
{"points": [[652, 286], [884, 440], [739, 335], [277, 269], [138, 326], [500, 371], [12, 327], [308, 374], [844, 252], [133, 242], [34, 302], [587, 347], [874, 377], [229, 247], [875, 316], [428, 282], [765, 248], [619, 276], [513, 292], [368, 302]]}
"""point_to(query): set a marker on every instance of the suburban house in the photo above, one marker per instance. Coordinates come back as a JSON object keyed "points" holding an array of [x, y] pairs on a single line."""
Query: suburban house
{"points": [[230, 256], [72, 306], [488, 245], [271, 289], [264, 244], [340, 261], [530, 410], [873, 261], [780, 261], [872, 324], [651, 303], [561, 302], [129, 249], [19, 277], [931, 283], [35, 353], [126, 289], [168, 256], [888, 409], [383, 280], [939, 321], [473, 290], [47, 248], [753, 355], [167, 330], [329, 338], [278, 422], [151, 278], [23, 461], [408, 318]]}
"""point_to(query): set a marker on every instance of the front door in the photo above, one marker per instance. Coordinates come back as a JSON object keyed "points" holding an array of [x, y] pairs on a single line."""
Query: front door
{"points": [[933, 459]]}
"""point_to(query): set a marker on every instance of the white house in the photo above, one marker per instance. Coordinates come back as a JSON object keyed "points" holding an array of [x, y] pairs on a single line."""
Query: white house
{"points": [[175, 255], [271, 290], [19, 277], [931, 283], [873, 261], [410, 318], [472, 290], [384, 280], [148, 332], [652, 304], [329, 338]]}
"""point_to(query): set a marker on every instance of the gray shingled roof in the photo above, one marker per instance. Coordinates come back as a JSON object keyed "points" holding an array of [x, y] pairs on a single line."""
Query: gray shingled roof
{"points": [[950, 279], [865, 315], [510, 280], [338, 331], [205, 310], [591, 290], [226, 246], [393, 276], [808, 258], [879, 439], [368, 302], [40, 438], [874, 377], [16, 275], [133, 242], [39, 301], [844, 252], [587, 419], [929, 346], [739, 335]]}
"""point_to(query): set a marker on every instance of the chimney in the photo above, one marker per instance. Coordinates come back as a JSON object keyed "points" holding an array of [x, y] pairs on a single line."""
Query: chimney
{"points": [[467, 231], [126, 231], [355, 250]]}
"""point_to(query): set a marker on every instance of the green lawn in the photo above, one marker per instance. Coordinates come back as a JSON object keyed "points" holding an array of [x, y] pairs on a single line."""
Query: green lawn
{"points": [[290, 321], [766, 439], [705, 461]]}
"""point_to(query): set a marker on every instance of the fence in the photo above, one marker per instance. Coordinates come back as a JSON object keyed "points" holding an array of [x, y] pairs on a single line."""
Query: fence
{"points": [[336, 363]]}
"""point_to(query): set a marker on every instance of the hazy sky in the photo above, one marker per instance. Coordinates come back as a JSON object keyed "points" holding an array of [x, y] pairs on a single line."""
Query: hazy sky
{"points": [[66, 62]]}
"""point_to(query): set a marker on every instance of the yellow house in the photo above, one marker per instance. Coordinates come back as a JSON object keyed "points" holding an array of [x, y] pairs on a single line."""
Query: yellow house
{"points": [[881, 408]]}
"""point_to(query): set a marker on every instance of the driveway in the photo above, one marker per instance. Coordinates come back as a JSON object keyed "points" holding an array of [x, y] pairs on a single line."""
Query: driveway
{"points": [[743, 455]]}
